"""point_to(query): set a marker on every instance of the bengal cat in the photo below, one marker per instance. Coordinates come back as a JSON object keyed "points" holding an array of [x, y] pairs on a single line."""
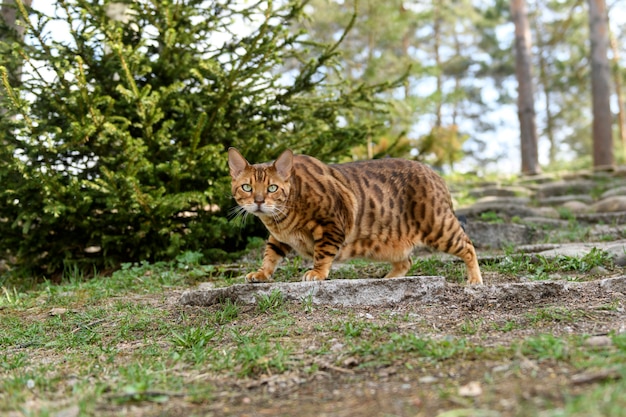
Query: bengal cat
{"points": [[380, 210]]}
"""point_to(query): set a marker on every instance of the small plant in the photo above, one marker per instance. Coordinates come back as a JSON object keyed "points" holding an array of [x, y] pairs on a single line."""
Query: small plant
{"points": [[10, 362], [10, 297], [566, 214], [561, 315], [138, 382], [307, 304], [545, 346], [491, 217], [471, 326], [505, 327], [270, 302], [193, 337], [73, 274], [189, 259], [353, 328], [619, 340], [254, 354], [227, 313]]}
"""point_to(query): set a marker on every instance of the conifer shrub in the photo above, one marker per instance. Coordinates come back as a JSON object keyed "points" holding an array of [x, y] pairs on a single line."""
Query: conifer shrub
{"points": [[113, 145]]}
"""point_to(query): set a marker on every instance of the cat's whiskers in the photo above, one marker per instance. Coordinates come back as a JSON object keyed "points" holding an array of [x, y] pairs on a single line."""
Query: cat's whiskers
{"points": [[278, 212], [238, 215]]}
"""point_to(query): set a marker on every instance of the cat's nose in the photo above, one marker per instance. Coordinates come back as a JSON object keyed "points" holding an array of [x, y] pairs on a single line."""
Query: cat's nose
{"points": [[259, 199]]}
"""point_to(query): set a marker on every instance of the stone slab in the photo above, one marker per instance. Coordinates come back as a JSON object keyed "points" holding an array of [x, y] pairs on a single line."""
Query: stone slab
{"points": [[423, 290], [565, 188], [341, 292], [578, 250], [542, 291], [499, 235], [617, 218], [562, 199]]}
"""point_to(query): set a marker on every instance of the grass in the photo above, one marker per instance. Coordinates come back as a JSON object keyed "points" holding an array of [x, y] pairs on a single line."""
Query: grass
{"points": [[492, 217], [109, 344], [270, 302], [538, 267]]}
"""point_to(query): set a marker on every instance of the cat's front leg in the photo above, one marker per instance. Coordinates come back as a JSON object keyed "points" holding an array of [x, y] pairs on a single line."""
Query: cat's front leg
{"points": [[275, 251], [326, 247]]}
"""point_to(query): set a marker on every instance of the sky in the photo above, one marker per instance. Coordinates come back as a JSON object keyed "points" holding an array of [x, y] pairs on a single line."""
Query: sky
{"points": [[504, 140]]}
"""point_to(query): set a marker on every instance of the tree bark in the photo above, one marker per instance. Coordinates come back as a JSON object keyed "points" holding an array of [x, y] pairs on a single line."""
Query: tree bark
{"points": [[544, 81], [9, 14], [600, 86], [437, 47], [525, 96], [617, 81]]}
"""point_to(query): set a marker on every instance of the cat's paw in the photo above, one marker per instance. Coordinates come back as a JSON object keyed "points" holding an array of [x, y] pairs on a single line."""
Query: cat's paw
{"points": [[259, 276], [313, 275]]}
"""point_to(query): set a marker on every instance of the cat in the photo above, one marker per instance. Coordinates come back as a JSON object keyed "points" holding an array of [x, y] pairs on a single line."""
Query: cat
{"points": [[379, 209]]}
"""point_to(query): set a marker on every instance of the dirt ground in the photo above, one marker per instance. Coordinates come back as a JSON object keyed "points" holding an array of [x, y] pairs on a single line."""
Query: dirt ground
{"points": [[497, 381], [505, 356]]}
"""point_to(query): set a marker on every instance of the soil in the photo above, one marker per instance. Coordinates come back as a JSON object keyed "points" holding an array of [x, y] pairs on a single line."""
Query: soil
{"points": [[473, 385]]}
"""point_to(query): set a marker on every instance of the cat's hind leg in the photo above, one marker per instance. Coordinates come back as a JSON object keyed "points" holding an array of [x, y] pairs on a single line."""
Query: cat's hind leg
{"points": [[455, 241], [399, 268], [468, 254]]}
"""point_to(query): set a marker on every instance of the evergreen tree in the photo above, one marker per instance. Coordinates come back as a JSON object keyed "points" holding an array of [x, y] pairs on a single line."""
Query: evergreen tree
{"points": [[451, 54], [114, 143]]}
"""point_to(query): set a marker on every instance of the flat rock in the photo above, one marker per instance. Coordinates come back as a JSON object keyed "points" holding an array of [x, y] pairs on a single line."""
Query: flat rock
{"points": [[545, 221], [499, 235], [610, 204], [579, 250], [536, 179], [500, 191], [505, 209], [613, 192], [599, 341], [343, 292], [576, 206], [562, 199], [606, 232], [501, 200], [607, 218], [541, 291], [564, 188], [577, 175], [620, 171], [426, 290]]}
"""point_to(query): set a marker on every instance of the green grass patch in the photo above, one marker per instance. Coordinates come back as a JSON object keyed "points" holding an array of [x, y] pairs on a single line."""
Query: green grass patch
{"points": [[109, 343], [538, 267]]}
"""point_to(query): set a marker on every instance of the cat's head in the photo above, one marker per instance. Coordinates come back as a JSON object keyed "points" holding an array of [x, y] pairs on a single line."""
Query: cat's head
{"points": [[261, 189]]}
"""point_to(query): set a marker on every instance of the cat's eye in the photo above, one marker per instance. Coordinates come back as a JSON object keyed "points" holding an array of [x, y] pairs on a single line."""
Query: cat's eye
{"points": [[246, 187], [272, 188]]}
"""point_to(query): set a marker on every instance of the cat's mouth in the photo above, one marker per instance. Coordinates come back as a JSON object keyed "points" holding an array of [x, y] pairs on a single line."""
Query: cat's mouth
{"points": [[259, 209]]}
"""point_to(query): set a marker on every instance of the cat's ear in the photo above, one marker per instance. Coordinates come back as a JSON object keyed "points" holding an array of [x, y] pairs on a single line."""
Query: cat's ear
{"points": [[236, 162], [284, 164]]}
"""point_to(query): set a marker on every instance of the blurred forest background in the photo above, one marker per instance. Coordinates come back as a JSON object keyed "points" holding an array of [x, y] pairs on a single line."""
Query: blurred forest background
{"points": [[115, 116]]}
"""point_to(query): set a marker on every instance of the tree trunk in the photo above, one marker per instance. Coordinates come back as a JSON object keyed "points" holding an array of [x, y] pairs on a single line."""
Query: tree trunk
{"points": [[9, 14], [525, 99], [617, 81], [600, 86], [544, 81], [437, 46]]}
